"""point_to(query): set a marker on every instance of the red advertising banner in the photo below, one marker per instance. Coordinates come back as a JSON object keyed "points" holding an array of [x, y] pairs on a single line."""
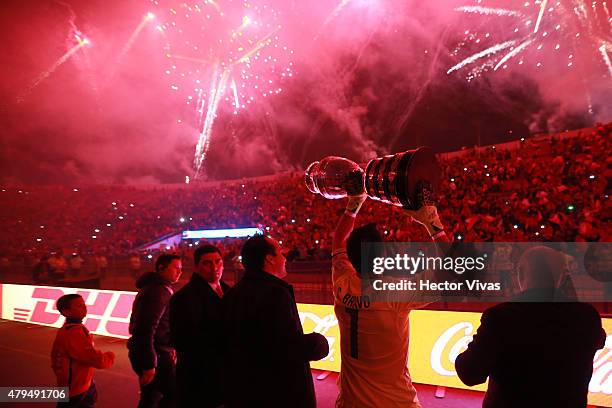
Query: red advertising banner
{"points": [[108, 310]]}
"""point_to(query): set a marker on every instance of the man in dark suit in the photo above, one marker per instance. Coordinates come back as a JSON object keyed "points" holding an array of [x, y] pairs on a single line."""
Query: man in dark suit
{"points": [[195, 331], [267, 353], [537, 350]]}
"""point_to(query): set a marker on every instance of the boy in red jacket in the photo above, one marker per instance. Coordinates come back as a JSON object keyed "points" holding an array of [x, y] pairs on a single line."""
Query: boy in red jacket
{"points": [[74, 357]]}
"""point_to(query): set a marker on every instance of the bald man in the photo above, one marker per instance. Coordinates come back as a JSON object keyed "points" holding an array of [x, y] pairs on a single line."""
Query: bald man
{"points": [[537, 350]]}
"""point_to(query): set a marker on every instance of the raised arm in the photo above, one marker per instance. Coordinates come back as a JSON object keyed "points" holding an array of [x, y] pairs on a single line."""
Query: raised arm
{"points": [[347, 222], [356, 197], [427, 216], [427, 213]]}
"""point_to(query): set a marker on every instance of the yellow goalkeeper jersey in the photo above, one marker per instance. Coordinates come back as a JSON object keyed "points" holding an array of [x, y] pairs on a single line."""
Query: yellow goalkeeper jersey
{"points": [[373, 344]]}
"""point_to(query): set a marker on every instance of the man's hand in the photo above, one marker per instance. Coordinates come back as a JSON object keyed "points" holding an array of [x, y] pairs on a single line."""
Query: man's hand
{"points": [[428, 217], [427, 213], [354, 203], [147, 376], [353, 183]]}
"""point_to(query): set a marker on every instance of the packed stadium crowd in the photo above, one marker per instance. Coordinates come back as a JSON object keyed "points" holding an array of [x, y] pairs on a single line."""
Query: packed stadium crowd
{"points": [[549, 188]]}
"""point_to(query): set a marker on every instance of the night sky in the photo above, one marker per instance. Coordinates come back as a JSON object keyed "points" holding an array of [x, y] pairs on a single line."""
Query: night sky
{"points": [[368, 78]]}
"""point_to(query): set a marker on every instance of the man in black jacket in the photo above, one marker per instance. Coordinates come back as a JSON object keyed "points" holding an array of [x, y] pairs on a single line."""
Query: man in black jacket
{"points": [[195, 331], [535, 354], [150, 352], [267, 350]]}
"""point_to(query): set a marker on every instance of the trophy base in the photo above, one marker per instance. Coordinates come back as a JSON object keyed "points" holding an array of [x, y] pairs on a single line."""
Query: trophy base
{"points": [[396, 179]]}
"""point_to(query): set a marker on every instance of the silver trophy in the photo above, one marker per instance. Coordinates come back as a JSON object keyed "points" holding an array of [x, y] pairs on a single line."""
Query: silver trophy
{"points": [[395, 179]]}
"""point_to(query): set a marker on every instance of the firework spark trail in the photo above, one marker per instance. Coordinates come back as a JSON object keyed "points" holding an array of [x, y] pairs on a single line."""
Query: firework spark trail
{"points": [[236, 101], [73, 33], [200, 153], [604, 55], [260, 44], [540, 14], [586, 24], [240, 50], [216, 92], [192, 59], [604, 46], [513, 53], [45, 74], [335, 12], [485, 53], [200, 108], [130, 42], [215, 5], [489, 11]]}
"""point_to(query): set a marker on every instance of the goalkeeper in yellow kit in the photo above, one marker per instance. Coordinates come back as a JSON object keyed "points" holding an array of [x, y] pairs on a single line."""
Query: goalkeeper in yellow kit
{"points": [[373, 335]]}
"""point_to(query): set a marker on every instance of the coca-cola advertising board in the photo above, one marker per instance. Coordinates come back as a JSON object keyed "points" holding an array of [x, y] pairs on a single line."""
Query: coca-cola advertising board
{"points": [[437, 337]]}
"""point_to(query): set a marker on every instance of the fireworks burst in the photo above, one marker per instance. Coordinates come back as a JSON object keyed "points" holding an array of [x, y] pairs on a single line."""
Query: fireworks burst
{"points": [[222, 54], [558, 26]]}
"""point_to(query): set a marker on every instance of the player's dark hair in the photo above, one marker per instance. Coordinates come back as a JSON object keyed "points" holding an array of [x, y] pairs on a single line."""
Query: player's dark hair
{"points": [[365, 234]]}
